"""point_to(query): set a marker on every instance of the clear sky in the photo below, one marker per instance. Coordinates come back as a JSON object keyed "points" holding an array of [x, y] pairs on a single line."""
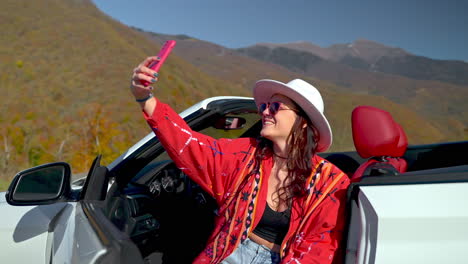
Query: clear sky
{"points": [[433, 28]]}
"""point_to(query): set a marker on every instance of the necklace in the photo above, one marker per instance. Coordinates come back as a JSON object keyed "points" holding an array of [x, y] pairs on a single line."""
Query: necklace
{"points": [[281, 157]]}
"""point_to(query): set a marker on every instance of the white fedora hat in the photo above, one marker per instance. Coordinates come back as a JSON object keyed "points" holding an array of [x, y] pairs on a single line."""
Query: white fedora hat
{"points": [[303, 94]]}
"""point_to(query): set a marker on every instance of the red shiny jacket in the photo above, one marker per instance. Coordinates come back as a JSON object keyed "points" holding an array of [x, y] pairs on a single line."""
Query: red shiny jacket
{"points": [[220, 166]]}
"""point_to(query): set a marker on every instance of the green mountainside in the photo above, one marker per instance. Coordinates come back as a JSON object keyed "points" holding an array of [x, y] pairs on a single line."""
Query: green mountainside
{"points": [[64, 77], [65, 71]]}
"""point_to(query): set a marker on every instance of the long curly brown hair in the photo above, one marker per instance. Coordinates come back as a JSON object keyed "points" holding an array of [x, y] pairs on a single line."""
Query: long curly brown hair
{"points": [[302, 142]]}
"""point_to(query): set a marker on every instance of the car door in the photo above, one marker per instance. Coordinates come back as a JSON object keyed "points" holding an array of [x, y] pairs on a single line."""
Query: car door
{"points": [[26, 231], [96, 239], [46, 221], [34, 222], [415, 217]]}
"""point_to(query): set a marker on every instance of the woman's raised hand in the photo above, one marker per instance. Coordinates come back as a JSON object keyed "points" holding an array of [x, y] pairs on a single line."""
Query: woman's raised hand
{"points": [[143, 93], [143, 74]]}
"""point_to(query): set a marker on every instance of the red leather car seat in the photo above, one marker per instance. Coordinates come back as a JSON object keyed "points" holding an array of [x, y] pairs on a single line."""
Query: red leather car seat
{"points": [[380, 140], [401, 165]]}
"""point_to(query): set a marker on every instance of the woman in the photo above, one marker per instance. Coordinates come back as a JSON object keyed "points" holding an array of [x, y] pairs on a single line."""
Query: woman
{"points": [[278, 201]]}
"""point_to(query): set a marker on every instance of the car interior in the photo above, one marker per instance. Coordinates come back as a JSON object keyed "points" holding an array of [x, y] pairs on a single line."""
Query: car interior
{"points": [[169, 217]]}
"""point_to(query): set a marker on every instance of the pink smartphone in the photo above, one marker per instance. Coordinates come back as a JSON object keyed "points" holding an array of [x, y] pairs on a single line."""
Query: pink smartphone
{"points": [[163, 53]]}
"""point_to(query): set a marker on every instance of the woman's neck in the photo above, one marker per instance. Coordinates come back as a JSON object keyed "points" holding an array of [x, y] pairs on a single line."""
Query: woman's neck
{"points": [[280, 150], [280, 156]]}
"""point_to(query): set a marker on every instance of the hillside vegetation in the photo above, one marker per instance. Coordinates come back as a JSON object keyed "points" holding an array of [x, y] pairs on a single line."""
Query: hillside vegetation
{"points": [[65, 71], [64, 77]]}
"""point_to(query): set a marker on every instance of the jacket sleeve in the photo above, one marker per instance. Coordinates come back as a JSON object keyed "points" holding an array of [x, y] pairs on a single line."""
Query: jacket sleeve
{"points": [[319, 241], [211, 163]]}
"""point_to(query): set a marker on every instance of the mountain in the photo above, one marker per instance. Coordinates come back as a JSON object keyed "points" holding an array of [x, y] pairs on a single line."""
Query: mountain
{"points": [[375, 57], [308, 47], [366, 51], [449, 115], [234, 66]]}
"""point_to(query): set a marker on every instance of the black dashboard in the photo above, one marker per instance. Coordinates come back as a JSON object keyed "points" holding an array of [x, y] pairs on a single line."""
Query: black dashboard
{"points": [[162, 207]]}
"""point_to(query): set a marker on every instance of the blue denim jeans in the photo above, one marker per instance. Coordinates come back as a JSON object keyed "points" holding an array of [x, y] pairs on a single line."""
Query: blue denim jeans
{"points": [[250, 252]]}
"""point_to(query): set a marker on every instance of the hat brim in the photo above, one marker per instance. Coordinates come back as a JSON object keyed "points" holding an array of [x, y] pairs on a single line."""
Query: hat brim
{"points": [[265, 89]]}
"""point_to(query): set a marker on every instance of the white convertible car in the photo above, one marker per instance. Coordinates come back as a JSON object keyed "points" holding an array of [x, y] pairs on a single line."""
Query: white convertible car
{"points": [[136, 209]]}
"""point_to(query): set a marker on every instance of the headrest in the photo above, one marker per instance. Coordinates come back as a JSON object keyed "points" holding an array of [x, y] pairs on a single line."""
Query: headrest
{"points": [[375, 133], [402, 142]]}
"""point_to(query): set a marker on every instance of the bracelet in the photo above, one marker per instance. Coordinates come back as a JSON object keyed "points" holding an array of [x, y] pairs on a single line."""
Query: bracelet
{"points": [[144, 99]]}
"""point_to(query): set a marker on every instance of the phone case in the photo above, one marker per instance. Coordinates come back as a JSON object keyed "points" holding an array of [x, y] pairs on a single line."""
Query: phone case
{"points": [[163, 54]]}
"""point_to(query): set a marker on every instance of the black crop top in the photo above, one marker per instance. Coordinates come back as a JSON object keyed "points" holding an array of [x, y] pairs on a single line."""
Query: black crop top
{"points": [[274, 225]]}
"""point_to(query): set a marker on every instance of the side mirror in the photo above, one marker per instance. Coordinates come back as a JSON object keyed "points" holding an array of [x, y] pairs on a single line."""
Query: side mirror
{"points": [[230, 123], [45, 184]]}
